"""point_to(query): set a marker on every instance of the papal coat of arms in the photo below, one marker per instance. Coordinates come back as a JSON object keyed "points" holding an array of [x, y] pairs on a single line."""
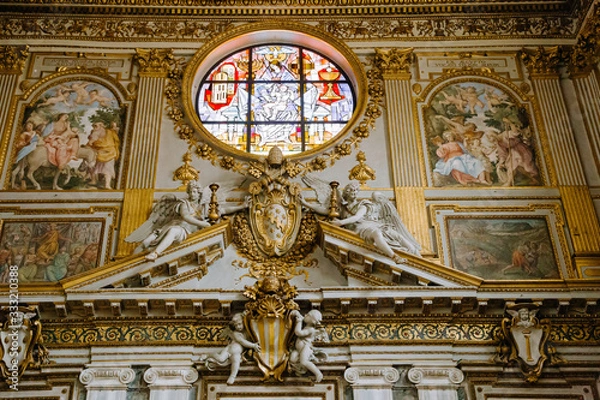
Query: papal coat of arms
{"points": [[275, 214]]}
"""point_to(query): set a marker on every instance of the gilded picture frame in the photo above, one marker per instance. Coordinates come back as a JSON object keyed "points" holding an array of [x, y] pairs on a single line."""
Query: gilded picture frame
{"points": [[500, 244], [56, 246], [69, 133]]}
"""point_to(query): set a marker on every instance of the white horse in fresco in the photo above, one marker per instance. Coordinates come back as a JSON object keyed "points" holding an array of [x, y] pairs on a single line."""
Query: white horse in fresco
{"points": [[39, 158]]}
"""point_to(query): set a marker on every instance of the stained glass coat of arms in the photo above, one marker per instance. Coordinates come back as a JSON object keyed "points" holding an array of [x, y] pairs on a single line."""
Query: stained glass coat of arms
{"points": [[272, 95]]}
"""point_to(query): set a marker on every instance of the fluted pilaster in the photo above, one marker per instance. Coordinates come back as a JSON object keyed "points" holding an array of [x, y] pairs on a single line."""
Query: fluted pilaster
{"points": [[372, 383], [138, 197], [106, 383], [395, 67], [568, 170], [12, 61], [587, 88]]}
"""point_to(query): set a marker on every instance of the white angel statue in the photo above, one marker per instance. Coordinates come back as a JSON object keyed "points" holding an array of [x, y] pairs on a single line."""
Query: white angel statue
{"points": [[172, 219], [375, 220]]}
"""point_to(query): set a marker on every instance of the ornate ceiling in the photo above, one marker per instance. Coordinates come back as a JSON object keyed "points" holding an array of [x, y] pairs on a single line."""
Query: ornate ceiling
{"points": [[559, 20]]}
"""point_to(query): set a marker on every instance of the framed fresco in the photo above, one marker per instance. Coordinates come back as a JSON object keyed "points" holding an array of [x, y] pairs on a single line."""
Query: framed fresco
{"points": [[522, 243], [70, 137], [478, 134], [51, 249]]}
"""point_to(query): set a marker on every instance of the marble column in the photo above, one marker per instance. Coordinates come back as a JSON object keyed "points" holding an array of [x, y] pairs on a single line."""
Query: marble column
{"points": [[395, 66], [371, 383], [567, 172], [12, 61], [170, 383], [153, 67], [106, 383], [436, 383]]}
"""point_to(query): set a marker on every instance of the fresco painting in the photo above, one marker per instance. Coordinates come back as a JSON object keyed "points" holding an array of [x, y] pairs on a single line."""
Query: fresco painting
{"points": [[477, 135], [504, 249], [70, 138], [49, 251]]}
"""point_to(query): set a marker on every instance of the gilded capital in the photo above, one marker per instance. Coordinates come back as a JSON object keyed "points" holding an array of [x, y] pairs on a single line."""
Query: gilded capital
{"points": [[154, 62], [394, 61], [12, 58], [542, 60], [586, 53]]}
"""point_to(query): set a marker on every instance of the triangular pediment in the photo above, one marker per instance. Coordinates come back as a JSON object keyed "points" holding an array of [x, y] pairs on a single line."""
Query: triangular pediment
{"points": [[208, 260]]}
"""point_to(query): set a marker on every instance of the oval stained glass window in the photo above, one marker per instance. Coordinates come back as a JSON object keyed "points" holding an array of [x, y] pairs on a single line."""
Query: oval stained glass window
{"points": [[275, 94]]}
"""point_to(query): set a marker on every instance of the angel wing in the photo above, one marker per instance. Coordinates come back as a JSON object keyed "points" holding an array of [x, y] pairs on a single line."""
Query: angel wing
{"points": [[163, 212], [321, 188], [389, 215]]}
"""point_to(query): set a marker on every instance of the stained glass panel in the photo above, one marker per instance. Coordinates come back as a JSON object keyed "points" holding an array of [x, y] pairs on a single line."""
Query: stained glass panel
{"points": [[287, 96]]}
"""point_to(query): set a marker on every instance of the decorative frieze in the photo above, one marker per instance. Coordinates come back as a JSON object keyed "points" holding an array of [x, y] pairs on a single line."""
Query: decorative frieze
{"points": [[57, 334]]}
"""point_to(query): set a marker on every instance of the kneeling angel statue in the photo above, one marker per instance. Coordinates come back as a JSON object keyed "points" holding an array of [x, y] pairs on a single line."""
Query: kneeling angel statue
{"points": [[375, 220], [172, 219]]}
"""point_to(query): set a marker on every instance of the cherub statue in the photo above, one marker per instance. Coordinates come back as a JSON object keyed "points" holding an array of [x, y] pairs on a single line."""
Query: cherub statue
{"points": [[173, 219], [303, 355], [523, 317], [233, 352], [375, 220]]}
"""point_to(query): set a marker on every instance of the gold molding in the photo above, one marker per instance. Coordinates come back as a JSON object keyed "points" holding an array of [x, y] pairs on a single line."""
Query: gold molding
{"points": [[411, 200], [464, 212]]}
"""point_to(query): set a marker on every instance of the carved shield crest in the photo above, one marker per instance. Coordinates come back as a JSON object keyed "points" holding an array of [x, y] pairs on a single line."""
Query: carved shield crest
{"points": [[275, 218], [19, 333], [528, 342], [272, 334]]}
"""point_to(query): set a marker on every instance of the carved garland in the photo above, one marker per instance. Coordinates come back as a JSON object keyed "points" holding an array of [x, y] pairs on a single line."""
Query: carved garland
{"points": [[293, 168]]}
